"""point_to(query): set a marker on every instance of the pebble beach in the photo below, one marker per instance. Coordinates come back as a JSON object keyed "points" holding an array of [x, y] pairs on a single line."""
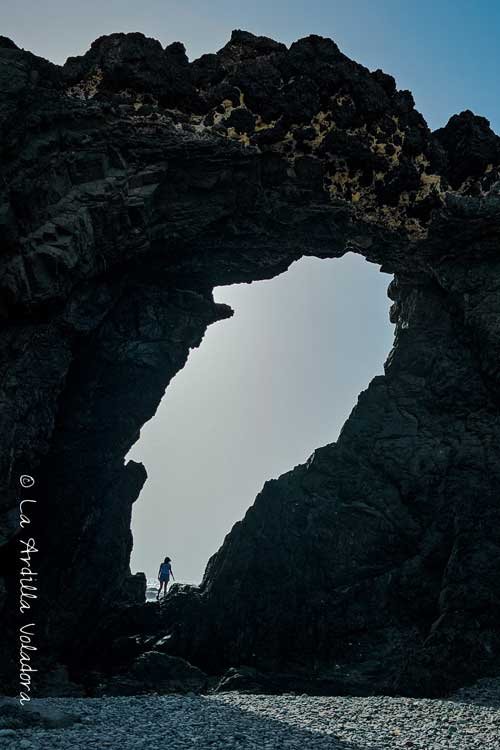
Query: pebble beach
{"points": [[470, 719]]}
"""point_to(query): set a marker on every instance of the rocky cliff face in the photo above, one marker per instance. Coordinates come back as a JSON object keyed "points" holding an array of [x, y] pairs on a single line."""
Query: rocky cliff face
{"points": [[133, 182]]}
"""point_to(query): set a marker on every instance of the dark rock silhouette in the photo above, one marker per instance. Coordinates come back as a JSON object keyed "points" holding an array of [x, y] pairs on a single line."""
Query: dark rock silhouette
{"points": [[133, 182], [154, 671]]}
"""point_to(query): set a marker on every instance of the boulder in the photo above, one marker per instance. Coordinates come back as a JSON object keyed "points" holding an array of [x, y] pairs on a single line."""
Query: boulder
{"points": [[167, 673], [56, 683], [155, 672], [36, 713]]}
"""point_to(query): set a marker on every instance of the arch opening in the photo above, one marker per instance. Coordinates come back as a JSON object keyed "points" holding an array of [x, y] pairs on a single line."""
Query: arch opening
{"points": [[265, 389]]}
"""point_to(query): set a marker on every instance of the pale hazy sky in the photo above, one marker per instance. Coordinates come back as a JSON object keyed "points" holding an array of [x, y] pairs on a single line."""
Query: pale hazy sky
{"points": [[279, 378], [265, 388]]}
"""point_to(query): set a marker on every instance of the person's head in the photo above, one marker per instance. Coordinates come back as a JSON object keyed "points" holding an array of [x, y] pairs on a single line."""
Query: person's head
{"points": [[167, 559]]}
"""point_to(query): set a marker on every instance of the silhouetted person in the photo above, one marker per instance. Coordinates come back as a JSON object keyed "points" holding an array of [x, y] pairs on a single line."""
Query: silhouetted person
{"points": [[164, 576]]}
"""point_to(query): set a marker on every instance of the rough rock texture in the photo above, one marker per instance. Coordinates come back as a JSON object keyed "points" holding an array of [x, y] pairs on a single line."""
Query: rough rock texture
{"points": [[133, 182]]}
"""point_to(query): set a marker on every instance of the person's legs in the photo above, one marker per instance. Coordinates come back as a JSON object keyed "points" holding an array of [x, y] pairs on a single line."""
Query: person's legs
{"points": [[159, 590]]}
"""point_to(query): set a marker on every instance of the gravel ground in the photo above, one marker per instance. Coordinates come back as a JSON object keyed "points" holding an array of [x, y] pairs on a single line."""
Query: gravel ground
{"points": [[471, 719]]}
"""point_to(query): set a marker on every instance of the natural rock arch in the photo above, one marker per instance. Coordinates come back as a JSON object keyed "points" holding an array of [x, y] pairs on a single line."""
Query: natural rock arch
{"points": [[133, 183]]}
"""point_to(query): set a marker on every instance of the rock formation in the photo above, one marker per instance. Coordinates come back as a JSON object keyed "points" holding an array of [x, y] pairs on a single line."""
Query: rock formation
{"points": [[133, 182]]}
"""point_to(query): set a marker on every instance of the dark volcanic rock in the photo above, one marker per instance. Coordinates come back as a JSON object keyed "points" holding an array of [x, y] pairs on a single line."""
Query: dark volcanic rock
{"points": [[134, 589], [57, 683], [159, 673], [133, 61], [250, 680], [133, 182], [157, 669], [471, 146]]}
